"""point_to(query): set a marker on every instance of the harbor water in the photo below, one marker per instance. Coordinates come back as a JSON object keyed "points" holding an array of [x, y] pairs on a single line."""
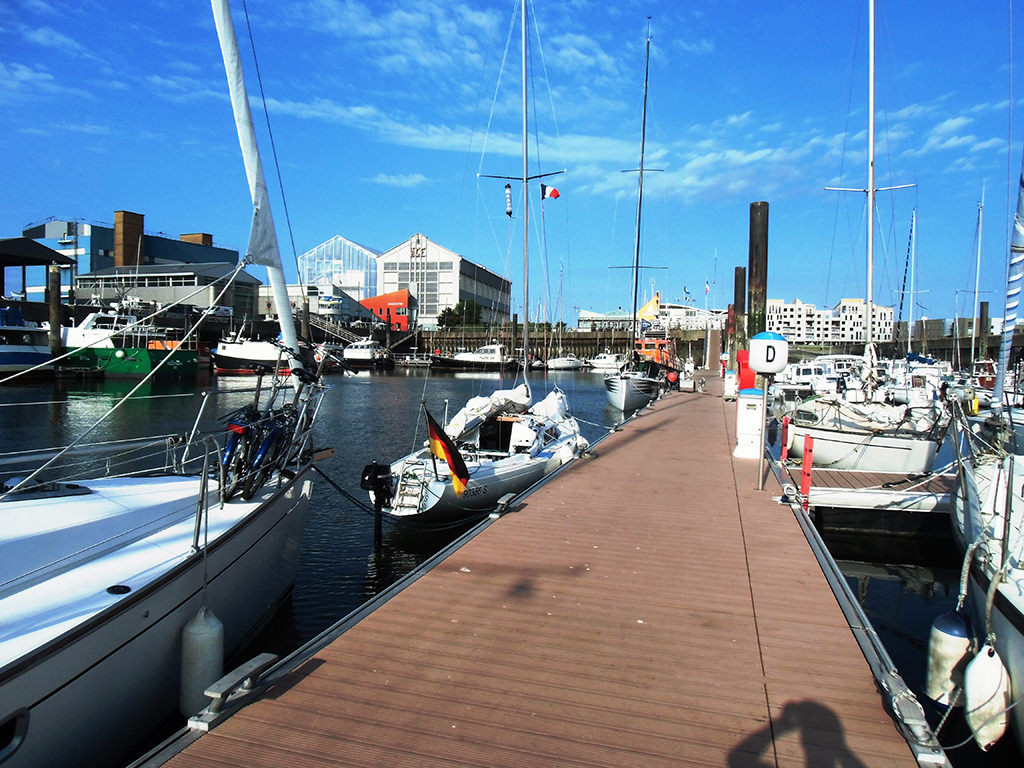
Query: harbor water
{"points": [[902, 583]]}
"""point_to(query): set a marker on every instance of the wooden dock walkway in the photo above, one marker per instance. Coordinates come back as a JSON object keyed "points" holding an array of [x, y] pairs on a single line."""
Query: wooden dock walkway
{"points": [[649, 607]]}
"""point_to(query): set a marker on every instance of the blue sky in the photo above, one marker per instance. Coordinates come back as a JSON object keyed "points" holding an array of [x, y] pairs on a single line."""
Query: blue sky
{"points": [[383, 113]]}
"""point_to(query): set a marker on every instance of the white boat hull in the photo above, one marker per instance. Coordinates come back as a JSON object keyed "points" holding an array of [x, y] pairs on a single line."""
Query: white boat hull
{"points": [[96, 689], [627, 393], [488, 482], [564, 364], [866, 452], [980, 517]]}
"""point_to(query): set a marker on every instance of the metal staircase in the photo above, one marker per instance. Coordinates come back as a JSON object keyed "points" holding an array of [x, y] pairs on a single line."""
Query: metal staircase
{"points": [[335, 329], [402, 339]]}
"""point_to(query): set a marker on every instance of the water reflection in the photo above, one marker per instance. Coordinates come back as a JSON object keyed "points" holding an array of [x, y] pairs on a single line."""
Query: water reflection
{"points": [[902, 583]]}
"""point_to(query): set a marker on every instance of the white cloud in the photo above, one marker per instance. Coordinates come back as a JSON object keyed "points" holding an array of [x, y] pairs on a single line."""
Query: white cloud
{"points": [[701, 47], [20, 80], [951, 125], [48, 37], [400, 180], [576, 53]]}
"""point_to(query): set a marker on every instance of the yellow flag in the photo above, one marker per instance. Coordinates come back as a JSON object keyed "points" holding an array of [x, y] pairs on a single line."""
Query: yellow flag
{"points": [[650, 310]]}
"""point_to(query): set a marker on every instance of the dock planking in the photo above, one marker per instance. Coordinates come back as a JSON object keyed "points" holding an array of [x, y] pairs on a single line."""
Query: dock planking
{"points": [[647, 607]]}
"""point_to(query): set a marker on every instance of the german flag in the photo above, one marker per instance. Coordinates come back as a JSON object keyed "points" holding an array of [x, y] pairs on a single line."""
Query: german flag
{"points": [[442, 447]]}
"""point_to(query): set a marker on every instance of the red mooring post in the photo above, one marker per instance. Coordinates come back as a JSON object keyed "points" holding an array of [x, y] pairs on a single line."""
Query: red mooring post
{"points": [[805, 475]]}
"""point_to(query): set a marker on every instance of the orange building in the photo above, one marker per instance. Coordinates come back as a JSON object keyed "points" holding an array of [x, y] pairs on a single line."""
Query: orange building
{"points": [[397, 308]]}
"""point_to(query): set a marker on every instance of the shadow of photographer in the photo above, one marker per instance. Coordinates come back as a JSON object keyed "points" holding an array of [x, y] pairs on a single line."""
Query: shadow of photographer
{"points": [[821, 736]]}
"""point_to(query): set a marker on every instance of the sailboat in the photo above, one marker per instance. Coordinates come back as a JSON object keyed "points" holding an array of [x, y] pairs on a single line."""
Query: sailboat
{"points": [[987, 516], [563, 361], [494, 446], [104, 579], [639, 382], [850, 429]]}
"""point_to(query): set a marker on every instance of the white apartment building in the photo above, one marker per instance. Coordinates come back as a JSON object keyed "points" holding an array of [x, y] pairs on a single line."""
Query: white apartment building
{"points": [[803, 323]]}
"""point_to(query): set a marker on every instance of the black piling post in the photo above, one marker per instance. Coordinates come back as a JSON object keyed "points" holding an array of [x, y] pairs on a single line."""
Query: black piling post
{"points": [[757, 274]]}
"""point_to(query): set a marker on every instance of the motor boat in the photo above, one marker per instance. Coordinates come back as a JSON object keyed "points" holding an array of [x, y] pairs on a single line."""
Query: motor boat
{"points": [[368, 354]]}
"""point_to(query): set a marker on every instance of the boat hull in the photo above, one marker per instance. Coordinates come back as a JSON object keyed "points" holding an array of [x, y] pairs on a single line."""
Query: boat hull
{"points": [[15, 358], [627, 393], [977, 516], [137, 362], [95, 694], [443, 363], [371, 364], [563, 364], [487, 484], [241, 365], [866, 452]]}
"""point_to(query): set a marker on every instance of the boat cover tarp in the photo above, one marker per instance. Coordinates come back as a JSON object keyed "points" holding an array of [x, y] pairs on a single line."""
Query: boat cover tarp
{"points": [[479, 408]]}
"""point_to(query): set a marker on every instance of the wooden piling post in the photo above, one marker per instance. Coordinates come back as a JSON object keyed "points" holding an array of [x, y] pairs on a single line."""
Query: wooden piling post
{"points": [[758, 269], [53, 302]]}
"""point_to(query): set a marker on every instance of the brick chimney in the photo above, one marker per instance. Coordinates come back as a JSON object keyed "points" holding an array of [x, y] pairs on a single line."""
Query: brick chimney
{"points": [[199, 238], [128, 248]]}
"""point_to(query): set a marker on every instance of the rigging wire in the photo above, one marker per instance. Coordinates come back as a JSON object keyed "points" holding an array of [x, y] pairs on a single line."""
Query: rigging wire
{"points": [[1010, 166], [23, 482], [842, 157]]}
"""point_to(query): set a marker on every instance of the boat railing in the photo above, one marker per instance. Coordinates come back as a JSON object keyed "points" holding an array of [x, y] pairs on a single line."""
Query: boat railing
{"points": [[31, 471]]}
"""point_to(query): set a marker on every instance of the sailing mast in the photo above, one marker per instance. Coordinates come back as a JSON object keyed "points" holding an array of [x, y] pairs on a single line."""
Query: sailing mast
{"points": [[871, 174], [977, 278], [640, 190], [263, 247], [525, 179], [526, 218], [913, 273], [871, 190]]}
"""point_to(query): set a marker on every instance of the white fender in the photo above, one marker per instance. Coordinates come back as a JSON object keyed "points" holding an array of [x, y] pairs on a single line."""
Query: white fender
{"points": [[202, 660], [949, 646], [987, 695]]}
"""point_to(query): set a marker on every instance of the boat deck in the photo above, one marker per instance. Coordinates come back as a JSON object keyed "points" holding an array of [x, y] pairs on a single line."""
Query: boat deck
{"points": [[876, 490], [648, 607]]}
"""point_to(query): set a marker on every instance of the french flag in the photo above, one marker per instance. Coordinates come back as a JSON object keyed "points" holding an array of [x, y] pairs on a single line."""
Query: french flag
{"points": [[546, 191]]}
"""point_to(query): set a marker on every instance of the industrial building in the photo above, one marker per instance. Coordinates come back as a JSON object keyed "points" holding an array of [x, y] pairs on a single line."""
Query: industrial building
{"points": [[197, 285], [99, 247], [439, 278]]}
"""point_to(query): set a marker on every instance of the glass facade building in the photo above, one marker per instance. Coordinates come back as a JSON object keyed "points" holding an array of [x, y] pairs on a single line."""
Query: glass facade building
{"points": [[343, 264]]}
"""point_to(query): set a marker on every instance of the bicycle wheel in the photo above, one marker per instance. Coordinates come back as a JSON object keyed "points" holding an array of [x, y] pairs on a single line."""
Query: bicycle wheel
{"points": [[234, 471], [262, 467]]}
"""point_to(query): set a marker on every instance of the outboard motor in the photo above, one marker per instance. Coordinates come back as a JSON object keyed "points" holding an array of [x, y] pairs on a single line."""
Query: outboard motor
{"points": [[376, 479]]}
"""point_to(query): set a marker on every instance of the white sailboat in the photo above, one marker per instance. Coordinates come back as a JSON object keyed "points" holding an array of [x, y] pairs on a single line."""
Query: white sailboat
{"points": [[506, 443], [637, 383], [988, 521], [850, 430], [99, 575]]}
